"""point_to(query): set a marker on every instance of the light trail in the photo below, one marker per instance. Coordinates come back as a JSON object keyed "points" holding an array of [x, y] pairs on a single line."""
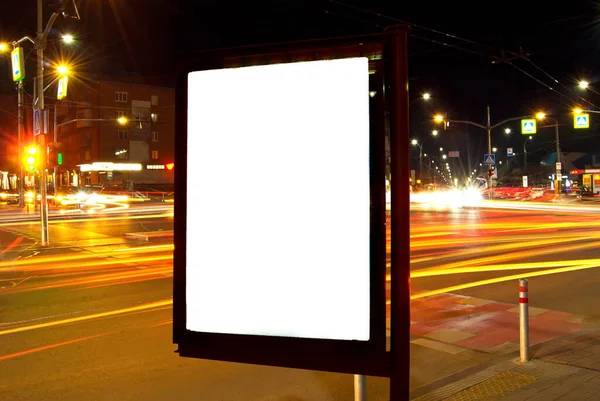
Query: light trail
{"points": [[75, 257], [500, 280], [150, 306]]}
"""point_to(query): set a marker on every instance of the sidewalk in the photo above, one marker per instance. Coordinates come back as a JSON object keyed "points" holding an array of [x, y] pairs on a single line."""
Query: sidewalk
{"points": [[562, 368]]}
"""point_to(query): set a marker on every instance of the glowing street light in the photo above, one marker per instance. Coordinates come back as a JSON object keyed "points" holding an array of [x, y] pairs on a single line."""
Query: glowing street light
{"points": [[68, 39], [540, 116], [507, 131], [494, 150], [577, 110], [122, 120], [3, 47], [438, 118], [584, 84], [62, 69], [414, 142], [426, 96], [444, 157], [434, 132]]}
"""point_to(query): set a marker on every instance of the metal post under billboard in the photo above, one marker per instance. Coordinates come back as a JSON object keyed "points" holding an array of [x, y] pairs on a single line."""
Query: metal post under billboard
{"points": [[364, 61], [400, 216]]}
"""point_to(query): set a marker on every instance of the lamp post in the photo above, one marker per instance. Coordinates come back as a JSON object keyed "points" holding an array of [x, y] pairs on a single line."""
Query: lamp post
{"points": [[542, 116], [525, 153], [415, 142], [488, 127]]}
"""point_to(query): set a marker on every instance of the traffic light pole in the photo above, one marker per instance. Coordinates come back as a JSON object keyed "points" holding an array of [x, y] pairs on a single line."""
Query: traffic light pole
{"points": [[40, 44], [20, 119]]}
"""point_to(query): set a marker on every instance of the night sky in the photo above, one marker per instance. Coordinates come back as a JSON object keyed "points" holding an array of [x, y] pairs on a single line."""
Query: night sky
{"points": [[452, 49]]}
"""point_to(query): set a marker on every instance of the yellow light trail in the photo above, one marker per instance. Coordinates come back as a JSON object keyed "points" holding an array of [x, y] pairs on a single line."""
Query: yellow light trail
{"points": [[500, 280], [519, 266], [511, 256], [144, 307], [90, 220], [72, 257]]}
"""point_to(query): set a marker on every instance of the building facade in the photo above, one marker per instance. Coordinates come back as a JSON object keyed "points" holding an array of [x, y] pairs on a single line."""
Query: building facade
{"points": [[115, 134]]}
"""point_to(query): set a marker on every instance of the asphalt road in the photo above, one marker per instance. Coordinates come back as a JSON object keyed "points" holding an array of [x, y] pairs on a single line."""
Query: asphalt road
{"points": [[557, 251], [90, 317]]}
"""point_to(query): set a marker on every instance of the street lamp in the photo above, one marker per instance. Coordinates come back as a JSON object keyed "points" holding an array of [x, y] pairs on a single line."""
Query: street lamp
{"points": [[434, 132], [425, 96], [507, 131], [494, 150], [62, 69], [541, 116], [3, 47], [444, 157], [584, 84], [124, 120], [68, 39], [488, 127]]}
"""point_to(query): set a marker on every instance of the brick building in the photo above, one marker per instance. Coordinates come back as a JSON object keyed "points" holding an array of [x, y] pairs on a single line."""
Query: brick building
{"points": [[97, 150]]}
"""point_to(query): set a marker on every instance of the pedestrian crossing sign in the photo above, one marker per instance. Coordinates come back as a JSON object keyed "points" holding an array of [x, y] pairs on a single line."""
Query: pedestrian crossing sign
{"points": [[528, 126], [582, 121], [489, 159]]}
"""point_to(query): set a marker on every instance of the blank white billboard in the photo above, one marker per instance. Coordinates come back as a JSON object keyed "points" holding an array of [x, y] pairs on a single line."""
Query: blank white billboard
{"points": [[278, 200]]}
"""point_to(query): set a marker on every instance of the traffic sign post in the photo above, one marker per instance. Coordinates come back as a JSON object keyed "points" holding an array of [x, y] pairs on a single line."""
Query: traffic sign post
{"points": [[489, 159], [63, 84], [37, 122], [18, 64], [581, 121], [528, 126], [509, 152]]}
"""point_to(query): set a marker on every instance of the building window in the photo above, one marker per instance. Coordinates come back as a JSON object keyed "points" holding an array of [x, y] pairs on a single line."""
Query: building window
{"points": [[154, 136], [155, 155], [121, 97], [154, 117], [154, 100], [122, 135], [88, 155], [120, 113]]}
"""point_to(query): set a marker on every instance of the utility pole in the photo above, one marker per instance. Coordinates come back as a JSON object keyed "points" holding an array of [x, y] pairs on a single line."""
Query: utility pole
{"points": [[20, 130], [489, 137], [40, 45], [55, 172]]}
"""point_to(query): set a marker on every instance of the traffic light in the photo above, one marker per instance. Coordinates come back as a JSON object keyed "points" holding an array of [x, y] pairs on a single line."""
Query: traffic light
{"points": [[170, 166], [55, 158], [32, 155]]}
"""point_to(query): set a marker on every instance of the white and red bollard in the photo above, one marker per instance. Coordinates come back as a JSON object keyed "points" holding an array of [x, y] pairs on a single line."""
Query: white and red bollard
{"points": [[524, 319]]}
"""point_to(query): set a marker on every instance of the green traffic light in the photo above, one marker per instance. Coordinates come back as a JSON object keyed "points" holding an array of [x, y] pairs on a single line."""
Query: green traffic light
{"points": [[59, 159]]}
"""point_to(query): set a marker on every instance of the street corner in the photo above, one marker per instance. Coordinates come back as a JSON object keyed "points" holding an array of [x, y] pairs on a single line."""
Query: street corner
{"points": [[486, 325]]}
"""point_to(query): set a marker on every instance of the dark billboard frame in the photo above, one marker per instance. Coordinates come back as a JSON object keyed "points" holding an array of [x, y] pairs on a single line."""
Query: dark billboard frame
{"points": [[387, 55]]}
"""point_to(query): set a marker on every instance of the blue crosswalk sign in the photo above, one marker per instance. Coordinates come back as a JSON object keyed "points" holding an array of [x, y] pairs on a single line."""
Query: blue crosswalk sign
{"points": [[489, 159]]}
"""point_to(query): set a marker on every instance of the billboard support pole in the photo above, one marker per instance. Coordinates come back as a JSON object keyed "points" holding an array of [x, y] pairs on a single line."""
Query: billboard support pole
{"points": [[400, 214]]}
